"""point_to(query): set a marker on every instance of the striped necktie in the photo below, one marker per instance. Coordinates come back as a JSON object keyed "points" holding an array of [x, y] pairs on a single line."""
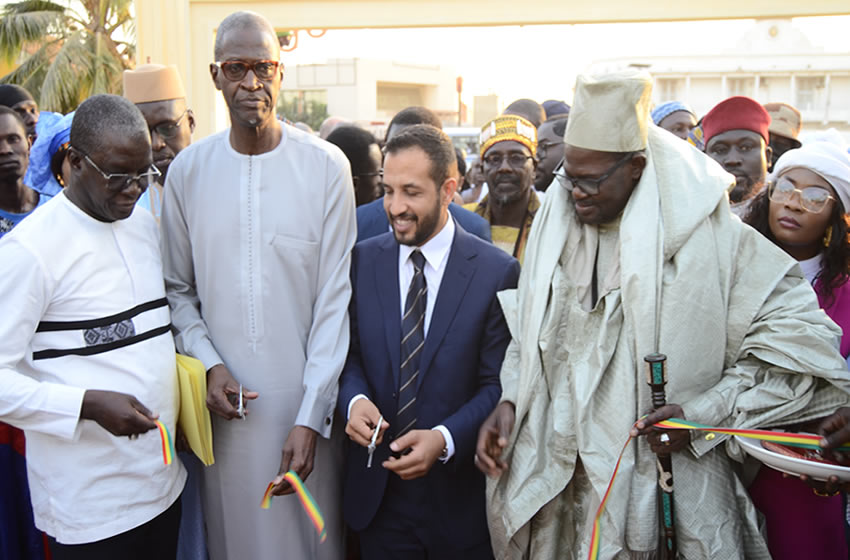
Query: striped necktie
{"points": [[413, 329]]}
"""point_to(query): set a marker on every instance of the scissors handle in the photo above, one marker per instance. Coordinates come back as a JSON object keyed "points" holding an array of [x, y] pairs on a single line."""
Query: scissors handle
{"points": [[240, 410]]}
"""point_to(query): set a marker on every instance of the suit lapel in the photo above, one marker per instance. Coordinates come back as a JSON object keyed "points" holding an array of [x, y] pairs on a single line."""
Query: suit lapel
{"points": [[386, 284], [456, 279]]}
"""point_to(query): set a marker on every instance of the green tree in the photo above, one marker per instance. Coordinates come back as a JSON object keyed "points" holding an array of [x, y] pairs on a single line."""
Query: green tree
{"points": [[306, 107], [67, 51]]}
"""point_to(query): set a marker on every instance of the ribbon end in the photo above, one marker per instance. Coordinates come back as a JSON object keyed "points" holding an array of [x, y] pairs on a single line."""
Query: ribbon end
{"points": [[266, 503]]}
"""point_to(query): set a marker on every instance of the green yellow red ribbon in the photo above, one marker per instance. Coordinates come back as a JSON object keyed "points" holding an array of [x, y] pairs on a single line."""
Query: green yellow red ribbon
{"points": [[808, 441], [167, 443], [593, 553], [267, 497], [307, 502]]}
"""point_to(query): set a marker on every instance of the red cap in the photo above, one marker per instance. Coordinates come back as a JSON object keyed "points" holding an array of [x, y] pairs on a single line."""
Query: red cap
{"points": [[736, 113]]}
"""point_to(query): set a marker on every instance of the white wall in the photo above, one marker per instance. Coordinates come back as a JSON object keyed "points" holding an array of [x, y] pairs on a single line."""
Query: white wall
{"points": [[351, 85]]}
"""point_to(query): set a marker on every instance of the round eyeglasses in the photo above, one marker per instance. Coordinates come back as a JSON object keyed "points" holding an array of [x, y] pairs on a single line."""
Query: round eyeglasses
{"points": [[589, 186], [119, 182], [515, 160], [812, 199], [544, 147], [169, 129], [236, 70]]}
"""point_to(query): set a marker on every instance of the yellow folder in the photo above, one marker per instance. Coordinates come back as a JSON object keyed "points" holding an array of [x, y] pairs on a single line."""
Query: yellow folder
{"points": [[194, 419]]}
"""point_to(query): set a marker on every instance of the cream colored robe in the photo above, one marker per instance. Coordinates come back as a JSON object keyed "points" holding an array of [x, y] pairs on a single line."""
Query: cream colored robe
{"points": [[746, 345], [256, 255]]}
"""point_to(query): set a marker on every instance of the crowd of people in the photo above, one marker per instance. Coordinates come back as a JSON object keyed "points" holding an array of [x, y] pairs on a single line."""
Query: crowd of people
{"points": [[449, 357]]}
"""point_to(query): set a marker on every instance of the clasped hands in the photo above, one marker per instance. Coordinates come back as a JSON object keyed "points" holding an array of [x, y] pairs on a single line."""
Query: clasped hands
{"points": [[425, 446]]}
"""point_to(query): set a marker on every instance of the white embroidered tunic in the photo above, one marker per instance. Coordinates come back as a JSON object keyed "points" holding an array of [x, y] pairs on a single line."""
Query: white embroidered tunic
{"points": [[84, 308]]}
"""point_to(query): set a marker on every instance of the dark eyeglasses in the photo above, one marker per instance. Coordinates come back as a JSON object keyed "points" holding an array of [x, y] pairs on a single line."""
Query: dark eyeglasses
{"points": [[119, 182], [515, 160], [543, 149], [235, 70], [812, 199], [587, 185], [169, 129]]}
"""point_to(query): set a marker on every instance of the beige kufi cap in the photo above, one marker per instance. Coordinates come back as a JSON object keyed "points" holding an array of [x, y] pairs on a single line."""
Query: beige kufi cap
{"points": [[785, 120], [610, 113], [153, 82]]}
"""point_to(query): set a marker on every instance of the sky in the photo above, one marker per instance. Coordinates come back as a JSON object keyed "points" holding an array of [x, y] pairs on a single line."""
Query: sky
{"points": [[540, 61]]}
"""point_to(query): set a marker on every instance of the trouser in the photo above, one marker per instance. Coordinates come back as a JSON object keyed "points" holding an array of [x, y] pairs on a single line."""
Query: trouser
{"points": [[156, 539], [399, 530]]}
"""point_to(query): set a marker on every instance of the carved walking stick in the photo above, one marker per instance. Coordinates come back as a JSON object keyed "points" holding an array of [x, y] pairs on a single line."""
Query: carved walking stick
{"points": [[657, 379]]}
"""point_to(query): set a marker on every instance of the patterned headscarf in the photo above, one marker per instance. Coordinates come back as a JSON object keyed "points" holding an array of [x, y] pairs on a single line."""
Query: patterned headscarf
{"points": [[39, 175], [666, 109], [509, 127]]}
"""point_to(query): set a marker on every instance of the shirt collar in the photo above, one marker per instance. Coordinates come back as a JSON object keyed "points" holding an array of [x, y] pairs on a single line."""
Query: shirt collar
{"points": [[436, 248]]}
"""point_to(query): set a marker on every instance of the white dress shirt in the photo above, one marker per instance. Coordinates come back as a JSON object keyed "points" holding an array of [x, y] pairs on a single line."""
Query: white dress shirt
{"points": [[811, 267], [436, 252]]}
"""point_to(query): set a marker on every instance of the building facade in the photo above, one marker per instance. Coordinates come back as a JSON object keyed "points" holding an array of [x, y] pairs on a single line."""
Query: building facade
{"points": [[773, 62], [370, 92]]}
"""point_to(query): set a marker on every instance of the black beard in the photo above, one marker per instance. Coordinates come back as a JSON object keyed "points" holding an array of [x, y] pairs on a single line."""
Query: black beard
{"points": [[740, 193]]}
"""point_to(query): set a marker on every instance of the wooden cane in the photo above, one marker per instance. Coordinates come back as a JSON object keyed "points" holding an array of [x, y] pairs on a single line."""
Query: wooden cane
{"points": [[657, 379]]}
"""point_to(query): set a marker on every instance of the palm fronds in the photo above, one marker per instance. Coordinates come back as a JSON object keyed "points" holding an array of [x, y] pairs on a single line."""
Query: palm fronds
{"points": [[19, 28], [67, 52]]}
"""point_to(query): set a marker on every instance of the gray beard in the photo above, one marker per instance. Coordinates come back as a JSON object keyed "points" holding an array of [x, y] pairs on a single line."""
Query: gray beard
{"points": [[506, 198]]}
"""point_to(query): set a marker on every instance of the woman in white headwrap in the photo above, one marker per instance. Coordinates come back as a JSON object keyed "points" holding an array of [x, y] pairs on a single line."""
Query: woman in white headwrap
{"points": [[803, 211]]}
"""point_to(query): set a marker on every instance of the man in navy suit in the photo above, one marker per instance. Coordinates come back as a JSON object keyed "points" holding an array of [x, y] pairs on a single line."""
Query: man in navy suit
{"points": [[428, 339], [372, 218]]}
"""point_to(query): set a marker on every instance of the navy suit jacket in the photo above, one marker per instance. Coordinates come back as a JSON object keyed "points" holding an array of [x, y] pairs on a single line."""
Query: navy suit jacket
{"points": [[372, 220], [458, 385]]}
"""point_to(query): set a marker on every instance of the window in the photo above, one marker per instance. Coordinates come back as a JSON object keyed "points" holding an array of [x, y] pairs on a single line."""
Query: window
{"points": [[810, 93], [741, 86], [670, 89]]}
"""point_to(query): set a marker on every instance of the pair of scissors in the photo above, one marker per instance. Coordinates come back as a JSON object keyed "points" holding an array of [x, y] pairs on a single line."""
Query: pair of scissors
{"points": [[372, 445], [240, 410]]}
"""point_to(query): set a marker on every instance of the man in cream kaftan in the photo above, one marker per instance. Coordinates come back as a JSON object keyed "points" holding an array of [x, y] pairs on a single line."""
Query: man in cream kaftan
{"points": [[258, 225], [675, 273], [257, 260]]}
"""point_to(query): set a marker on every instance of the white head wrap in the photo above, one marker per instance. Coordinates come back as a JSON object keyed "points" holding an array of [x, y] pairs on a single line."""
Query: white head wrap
{"points": [[824, 158]]}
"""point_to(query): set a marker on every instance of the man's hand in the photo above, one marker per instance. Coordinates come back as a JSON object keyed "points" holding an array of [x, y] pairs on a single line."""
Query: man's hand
{"points": [[425, 446], [118, 413], [297, 455], [835, 431], [221, 387], [835, 428], [362, 421], [662, 442], [493, 437], [826, 489]]}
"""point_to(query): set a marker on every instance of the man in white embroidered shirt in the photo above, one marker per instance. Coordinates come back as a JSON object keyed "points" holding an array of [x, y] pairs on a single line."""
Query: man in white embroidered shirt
{"points": [[427, 341], [86, 353]]}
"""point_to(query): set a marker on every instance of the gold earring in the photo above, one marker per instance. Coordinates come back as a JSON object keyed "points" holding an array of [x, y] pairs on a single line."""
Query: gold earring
{"points": [[828, 237]]}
